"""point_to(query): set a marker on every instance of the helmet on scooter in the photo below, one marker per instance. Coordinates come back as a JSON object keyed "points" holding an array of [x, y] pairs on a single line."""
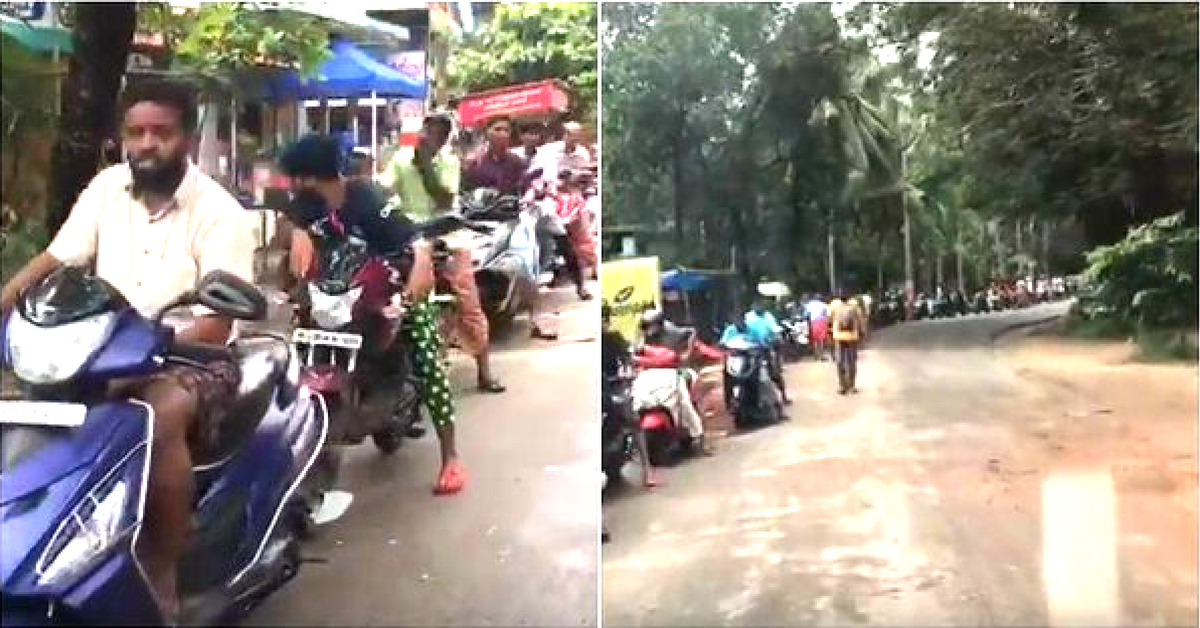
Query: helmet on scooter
{"points": [[651, 318]]}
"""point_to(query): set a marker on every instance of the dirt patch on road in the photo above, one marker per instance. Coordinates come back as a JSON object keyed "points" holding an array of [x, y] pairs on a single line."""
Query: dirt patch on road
{"points": [[1099, 408]]}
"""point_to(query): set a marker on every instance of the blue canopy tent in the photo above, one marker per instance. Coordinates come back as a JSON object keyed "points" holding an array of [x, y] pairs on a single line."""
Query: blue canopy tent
{"points": [[350, 72], [704, 299], [683, 281]]}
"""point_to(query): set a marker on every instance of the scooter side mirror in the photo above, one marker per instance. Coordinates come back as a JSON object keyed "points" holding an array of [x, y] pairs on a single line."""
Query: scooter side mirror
{"points": [[232, 296]]}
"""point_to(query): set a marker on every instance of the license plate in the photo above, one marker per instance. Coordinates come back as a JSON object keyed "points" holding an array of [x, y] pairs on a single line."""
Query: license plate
{"points": [[322, 338], [42, 413]]}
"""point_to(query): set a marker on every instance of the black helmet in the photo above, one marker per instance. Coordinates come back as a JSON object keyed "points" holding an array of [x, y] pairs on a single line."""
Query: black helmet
{"points": [[652, 318]]}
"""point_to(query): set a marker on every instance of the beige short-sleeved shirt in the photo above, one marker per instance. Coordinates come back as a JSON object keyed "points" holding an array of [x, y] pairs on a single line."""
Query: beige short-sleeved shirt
{"points": [[153, 259]]}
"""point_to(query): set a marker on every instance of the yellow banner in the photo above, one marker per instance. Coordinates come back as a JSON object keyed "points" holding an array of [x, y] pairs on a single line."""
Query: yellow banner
{"points": [[628, 288]]}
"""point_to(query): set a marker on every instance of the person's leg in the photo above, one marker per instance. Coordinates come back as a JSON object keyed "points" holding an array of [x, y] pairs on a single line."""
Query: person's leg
{"points": [[685, 410], [435, 390], [472, 324], [852, 365], [650, 477], [776, 365], [168, 518], [838, 348], [567, 248]]}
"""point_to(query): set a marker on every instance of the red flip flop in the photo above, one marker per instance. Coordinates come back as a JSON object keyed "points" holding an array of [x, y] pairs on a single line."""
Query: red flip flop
{"points": [[451, 480]]}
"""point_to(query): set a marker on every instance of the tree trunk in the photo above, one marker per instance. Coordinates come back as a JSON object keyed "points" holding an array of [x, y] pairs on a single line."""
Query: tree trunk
{"points": [[677, 189], [101, 39], [939, 270], [958, 267], [832, 254]]}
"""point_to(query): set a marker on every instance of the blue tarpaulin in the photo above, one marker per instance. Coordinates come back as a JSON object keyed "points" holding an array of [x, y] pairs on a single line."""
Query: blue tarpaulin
{"points": [[350, 72], [683, 281]]}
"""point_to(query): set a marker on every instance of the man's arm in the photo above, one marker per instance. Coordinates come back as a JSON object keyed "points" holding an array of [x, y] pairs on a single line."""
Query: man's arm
{"points": [[34, 271], [434, 181], [74, 245], [229, 246]]}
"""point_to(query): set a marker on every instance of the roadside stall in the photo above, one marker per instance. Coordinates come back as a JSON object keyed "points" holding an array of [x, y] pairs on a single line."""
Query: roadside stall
{"points": [[704, 299], [543, 101]]}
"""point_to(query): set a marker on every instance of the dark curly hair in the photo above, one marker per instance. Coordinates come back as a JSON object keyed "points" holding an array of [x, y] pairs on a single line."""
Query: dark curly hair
{"points": [[314, 155], [177, 95]]}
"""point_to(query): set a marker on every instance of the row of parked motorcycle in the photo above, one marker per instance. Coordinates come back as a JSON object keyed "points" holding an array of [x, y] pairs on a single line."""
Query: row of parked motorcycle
{"points": [[75, 463], [638, 398]]}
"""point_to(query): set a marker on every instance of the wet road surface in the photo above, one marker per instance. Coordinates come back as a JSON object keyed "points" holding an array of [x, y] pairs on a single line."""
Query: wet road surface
{"points": [[943, 494], [518, 547]]}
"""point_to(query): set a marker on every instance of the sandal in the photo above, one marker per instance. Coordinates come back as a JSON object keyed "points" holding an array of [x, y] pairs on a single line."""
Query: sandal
{"points": [[491, 386], [537, 332], [451, 480]]}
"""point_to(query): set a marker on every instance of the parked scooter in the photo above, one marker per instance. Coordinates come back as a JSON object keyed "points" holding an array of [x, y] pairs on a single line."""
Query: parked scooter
{"points": [[795, 343], [506, 260], [754, 399], [666, 437], [76, 463]]}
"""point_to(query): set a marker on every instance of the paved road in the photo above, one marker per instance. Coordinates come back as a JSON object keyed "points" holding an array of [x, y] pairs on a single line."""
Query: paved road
{"points": [[922, 501], [517, 548]]}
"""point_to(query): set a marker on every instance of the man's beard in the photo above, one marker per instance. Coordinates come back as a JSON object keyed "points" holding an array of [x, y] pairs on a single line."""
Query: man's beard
{"points": [[163, 178]]}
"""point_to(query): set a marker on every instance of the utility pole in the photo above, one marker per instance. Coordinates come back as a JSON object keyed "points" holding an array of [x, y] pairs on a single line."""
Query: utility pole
{"points": [[909, 287]]}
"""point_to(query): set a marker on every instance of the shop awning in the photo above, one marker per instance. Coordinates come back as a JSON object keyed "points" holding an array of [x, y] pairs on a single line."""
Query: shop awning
{"points": [[37, 38], [540, 99]]}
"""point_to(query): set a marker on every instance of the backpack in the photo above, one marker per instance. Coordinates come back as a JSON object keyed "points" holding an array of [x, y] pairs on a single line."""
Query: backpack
{"points": [[845, 319]]}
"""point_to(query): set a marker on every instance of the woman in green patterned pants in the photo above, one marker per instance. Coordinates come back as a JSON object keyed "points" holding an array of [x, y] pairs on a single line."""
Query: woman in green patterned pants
{"points": [[421, 333]]}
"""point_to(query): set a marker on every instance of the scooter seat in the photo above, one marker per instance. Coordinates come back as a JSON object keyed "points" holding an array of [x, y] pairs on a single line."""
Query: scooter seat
{"points": [[263, 362]]}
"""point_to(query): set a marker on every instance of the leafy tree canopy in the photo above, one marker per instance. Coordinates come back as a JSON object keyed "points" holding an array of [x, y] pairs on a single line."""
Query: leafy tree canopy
{"points": [[533, 41]]}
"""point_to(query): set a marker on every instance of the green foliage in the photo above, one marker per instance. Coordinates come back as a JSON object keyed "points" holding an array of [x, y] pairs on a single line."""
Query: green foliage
{"points": [[221, 36], [1079, 110], [19, 245], [533, 41], [1148, 280]]}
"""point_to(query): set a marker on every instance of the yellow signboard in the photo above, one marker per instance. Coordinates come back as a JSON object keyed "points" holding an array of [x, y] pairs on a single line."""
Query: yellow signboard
{"points": [[628, 288]]}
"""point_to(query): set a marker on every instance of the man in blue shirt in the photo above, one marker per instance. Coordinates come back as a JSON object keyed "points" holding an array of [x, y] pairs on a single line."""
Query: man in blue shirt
{"points": [[765, 330]]}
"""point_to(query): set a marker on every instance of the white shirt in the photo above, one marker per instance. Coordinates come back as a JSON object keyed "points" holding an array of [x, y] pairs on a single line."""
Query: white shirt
{"points": [[152, 259], [553, 158], [816, 309]]}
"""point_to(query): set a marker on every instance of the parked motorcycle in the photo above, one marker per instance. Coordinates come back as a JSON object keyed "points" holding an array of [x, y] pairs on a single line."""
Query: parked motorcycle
{"points": [[795, 342], [350, 335], [617, 423], [754, 399], [76, 463]]}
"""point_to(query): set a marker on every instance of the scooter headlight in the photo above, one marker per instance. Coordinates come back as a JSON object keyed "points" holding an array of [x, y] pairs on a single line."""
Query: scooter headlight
{"points": [[51, 355], [88, 532], [735, 364], [333, 311]]}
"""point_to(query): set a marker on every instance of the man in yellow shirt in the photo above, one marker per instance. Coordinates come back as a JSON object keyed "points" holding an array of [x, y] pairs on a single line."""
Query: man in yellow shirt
{"points": [[425, 180], [848, 325]]}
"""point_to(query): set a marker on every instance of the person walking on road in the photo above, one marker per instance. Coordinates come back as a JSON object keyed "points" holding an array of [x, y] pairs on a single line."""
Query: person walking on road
{"points": [[849, 327], [818, 324], [424, 180]]}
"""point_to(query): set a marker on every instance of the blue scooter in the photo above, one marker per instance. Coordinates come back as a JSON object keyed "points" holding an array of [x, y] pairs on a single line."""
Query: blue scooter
{"points": [[75, 463]]}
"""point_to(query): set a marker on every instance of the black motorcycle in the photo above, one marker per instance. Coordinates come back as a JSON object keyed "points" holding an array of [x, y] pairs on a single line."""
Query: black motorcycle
{"points": [[617, 423], [752, 396]]}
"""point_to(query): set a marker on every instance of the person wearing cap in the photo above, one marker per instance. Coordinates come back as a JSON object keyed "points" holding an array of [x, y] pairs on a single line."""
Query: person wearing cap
{"points": [[326, 204], [424, 179]]}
